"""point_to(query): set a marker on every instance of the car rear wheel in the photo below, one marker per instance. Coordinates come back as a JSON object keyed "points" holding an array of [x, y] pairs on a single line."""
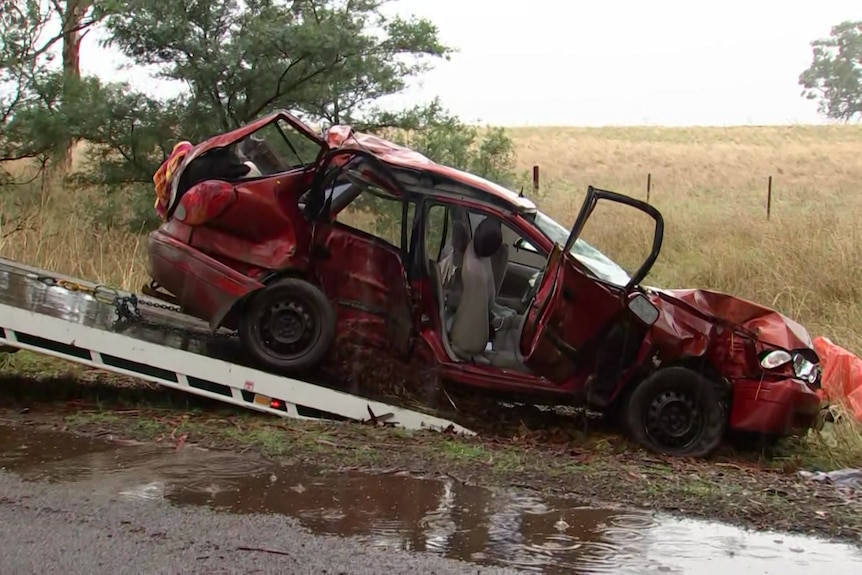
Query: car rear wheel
{"points": [[676, 411], [289, 325]]}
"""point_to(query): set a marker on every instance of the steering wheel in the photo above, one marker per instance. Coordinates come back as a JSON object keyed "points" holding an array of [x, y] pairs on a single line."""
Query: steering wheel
{"points": [[530, 294]]}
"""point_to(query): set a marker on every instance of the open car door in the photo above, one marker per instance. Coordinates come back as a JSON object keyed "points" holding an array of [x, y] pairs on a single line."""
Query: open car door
{"points": [[363, 274], [582, 295]]}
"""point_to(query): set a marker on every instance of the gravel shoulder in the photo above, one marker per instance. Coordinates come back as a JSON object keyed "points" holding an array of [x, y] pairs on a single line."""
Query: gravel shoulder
{"points": [[64, 528]]}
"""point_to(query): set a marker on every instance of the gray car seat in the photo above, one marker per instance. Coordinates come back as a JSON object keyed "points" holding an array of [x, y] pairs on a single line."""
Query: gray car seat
{"points": [[452, 286], [471, 330]]}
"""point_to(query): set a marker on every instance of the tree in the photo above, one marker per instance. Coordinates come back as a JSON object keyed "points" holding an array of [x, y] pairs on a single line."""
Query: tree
{"points": [[76, 17], [33, 93], [834, 77], [326, 58]]}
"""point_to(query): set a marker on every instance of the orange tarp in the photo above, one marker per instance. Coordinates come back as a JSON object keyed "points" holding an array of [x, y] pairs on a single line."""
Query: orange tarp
{"points": [[842, 375]]}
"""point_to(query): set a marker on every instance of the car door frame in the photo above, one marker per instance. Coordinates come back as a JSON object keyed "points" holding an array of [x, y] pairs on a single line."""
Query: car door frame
{"points": [[321, 215], [594, 195], [552, 322], [427, 301]]}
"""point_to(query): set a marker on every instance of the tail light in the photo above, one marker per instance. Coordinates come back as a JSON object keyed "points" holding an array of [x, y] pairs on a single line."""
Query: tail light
{"points": [[204, 202]]}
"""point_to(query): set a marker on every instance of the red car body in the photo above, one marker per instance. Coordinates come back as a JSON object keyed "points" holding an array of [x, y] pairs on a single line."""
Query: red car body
{"points": [[585, 339]]}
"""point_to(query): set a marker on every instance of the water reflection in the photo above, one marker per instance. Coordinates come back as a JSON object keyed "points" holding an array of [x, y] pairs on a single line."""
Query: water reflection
{"points": [[443, 516]]}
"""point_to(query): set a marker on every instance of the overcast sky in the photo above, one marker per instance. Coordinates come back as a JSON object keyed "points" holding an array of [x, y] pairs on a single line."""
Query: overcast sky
{"points": [[661, 62]]}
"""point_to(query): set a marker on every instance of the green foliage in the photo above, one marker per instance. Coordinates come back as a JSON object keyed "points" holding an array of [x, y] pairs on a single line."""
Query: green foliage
{"points": [[32, 88], [444, 138], [22, 68], [834, 77], [328, 61]]}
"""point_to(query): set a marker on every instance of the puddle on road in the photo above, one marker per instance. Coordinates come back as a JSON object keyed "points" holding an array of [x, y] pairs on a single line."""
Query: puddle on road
{"points": [[511, 528]]}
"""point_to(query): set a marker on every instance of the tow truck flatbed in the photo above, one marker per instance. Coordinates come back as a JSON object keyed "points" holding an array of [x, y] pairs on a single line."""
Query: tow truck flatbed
{"points": [[77, 320]]}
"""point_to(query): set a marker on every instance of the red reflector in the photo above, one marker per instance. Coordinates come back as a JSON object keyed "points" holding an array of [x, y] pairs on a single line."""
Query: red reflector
{"points": [[204, 201], [275, 404]]}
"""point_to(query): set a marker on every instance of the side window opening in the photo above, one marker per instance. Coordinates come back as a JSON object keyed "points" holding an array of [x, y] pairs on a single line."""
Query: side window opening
{"points": [[379, 213], [438, 233], [521, 250]]}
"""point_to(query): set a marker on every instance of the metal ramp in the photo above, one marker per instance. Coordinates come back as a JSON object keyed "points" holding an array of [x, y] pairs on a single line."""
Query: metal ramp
{"points": [[82, 322]]}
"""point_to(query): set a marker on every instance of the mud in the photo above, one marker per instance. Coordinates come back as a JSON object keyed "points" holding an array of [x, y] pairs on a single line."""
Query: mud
{"points": [[395, 512]]}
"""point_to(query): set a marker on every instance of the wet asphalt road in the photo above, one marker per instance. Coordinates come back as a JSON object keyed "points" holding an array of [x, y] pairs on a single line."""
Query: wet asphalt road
{"points": [[67, 528]]}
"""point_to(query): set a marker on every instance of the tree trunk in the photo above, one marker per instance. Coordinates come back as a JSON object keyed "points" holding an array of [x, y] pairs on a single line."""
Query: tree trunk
{"points": [[72, 19]]}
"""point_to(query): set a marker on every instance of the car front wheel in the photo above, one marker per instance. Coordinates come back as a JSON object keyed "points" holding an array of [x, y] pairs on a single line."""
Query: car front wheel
{"points": [[288, 325], [676, 411]]}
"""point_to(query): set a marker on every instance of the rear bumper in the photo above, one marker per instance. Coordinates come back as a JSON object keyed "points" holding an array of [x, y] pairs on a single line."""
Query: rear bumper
{"points": [[773, 407], [204, 287]]}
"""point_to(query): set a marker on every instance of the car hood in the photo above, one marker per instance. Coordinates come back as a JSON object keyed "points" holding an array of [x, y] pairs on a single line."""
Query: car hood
{"points": [[764, 324]]}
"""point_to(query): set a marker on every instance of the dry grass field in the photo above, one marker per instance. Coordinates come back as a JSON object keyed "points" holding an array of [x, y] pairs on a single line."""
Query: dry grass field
{"points": [[710, 184]]}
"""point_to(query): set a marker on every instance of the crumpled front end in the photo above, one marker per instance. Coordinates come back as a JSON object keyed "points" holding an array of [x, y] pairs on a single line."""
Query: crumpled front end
{"points": [[767, 357]]}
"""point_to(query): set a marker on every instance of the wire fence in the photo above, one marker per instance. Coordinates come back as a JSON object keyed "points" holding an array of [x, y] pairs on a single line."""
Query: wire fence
{"points": [[536, 182]]}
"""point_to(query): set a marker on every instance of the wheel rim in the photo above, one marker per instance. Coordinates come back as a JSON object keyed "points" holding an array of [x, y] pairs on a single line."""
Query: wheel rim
{"points": [[674, 420], [287, 327]]}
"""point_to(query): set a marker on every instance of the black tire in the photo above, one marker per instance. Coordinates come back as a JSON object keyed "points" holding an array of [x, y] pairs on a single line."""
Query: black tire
{"points": [[696, 422], [306, 324]]}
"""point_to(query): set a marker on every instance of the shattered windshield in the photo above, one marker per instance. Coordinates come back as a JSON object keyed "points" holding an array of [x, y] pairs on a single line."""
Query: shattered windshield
{"points": [[598, 263]]}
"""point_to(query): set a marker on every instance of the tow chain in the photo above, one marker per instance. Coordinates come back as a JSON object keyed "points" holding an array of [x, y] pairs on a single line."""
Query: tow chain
{"points": [[127, 311], [127, 308]]}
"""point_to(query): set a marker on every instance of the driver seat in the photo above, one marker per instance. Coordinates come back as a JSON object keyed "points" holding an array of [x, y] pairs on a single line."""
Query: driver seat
{"points": [[471, 331]]}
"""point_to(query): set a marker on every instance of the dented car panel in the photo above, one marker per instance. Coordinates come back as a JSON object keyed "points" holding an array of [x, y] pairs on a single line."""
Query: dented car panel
{"points": [[767, 325], [773, 407], [581, 341], [207, 288], [371, 294], [732, 333], [557, 330]]}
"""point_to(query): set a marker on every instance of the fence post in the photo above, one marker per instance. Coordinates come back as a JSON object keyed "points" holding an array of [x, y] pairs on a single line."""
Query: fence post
{"points": [[535, 180], [769, 197], [648, 185]]}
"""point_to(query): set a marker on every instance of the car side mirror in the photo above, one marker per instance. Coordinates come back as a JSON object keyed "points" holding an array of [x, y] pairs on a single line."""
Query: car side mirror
{"points": [[642, 308]]}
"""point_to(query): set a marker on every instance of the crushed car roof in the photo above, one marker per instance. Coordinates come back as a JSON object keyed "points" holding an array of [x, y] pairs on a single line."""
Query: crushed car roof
{"points": [[343, 136]]}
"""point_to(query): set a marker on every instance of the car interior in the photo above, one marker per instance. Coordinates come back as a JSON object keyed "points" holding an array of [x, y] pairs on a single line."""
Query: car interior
{"points": [[502, 278], [504, 273]]}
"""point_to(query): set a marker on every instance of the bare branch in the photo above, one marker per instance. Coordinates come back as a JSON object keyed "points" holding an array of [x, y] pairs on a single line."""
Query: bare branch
{"points": [[22, 225]]}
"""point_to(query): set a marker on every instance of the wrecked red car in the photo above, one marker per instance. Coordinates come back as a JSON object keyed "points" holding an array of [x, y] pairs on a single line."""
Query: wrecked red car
{"points": [[301, 241]]}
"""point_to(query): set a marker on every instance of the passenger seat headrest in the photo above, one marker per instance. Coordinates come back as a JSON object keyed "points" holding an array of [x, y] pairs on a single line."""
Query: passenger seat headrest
{"points": [[488, 237]]}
